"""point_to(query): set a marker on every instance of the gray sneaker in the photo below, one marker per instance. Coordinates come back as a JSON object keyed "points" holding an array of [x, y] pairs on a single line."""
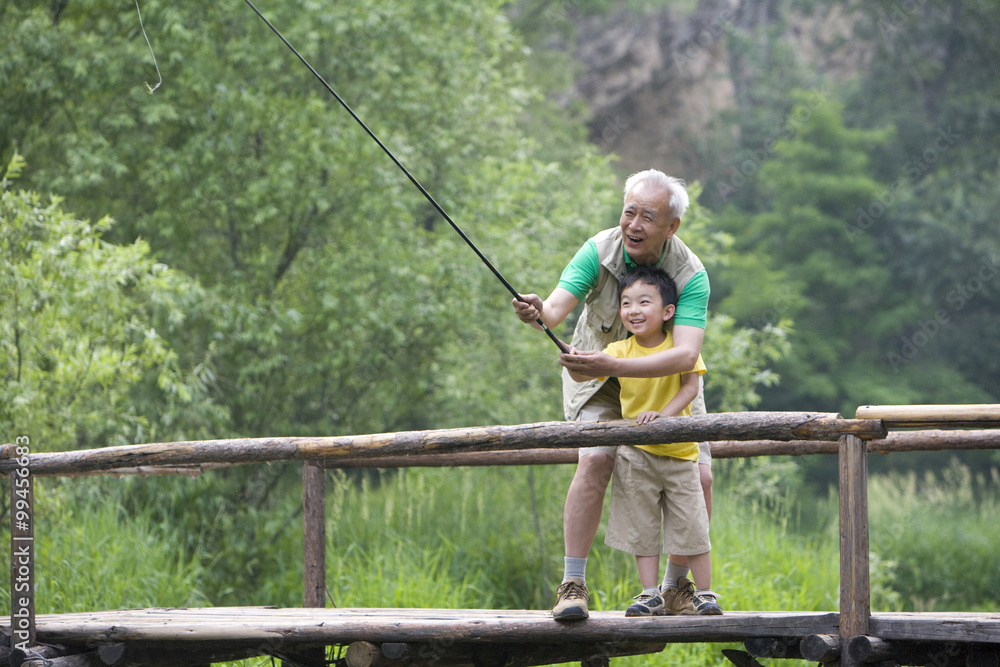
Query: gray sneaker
{"points": [[571, 601], [679, 600], [707, 604], [646, 605]]}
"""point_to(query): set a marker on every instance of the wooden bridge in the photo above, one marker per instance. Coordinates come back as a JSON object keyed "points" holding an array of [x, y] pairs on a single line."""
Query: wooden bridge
{"points": [[398, 637]]}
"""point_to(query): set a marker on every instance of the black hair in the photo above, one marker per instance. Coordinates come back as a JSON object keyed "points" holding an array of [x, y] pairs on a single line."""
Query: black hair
{"points": [[651, 275], [658, 278]]}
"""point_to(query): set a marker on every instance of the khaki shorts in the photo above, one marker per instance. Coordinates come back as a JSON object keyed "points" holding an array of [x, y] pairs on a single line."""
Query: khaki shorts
{"points": [[606, 405], [603, 406], [651, 493]]}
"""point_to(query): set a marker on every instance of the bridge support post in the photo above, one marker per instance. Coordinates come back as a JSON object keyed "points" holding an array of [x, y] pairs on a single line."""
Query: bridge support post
{"points": [[313, 547], [855, 590], [314, 534]]}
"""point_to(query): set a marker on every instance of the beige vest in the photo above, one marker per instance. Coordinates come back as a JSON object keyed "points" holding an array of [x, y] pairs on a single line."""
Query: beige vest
{"points": [[600, 323]]}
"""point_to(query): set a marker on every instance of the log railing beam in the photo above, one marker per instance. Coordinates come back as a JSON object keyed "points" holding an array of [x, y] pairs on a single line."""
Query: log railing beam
{"points": [[733, 425]]}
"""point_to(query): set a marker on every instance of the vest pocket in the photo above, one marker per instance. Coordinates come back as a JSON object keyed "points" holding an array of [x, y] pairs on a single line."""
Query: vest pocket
{"points": [[602, 316]]}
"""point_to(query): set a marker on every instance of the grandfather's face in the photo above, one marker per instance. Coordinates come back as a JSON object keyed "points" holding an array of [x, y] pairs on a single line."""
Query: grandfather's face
{"points": [[646, 223]]}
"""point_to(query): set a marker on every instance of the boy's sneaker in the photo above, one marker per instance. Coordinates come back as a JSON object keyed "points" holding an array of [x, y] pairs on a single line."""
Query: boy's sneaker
{"points": [[707, 604], [679, 600], [571, 600], [646, 605]]}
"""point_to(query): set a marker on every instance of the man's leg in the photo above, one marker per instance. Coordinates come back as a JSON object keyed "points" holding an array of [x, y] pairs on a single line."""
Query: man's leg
{"points": [[584, 503]]}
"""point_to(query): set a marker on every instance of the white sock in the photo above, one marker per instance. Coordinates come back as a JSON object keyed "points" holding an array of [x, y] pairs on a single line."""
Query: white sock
{"points": [[575, 568], [673, 574]]}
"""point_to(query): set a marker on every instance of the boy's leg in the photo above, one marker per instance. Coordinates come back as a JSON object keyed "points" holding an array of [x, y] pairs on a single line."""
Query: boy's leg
{"points": [[705, 601], [701, 570], [680, 563], [634, 524], [649, 602], [685, 531], [649, 570]]}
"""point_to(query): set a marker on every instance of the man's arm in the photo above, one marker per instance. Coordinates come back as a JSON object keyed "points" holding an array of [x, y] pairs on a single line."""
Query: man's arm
{"points": [[552, 311], [681, 358]]}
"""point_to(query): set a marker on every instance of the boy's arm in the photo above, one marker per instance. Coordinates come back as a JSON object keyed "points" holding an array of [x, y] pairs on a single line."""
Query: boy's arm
{"points": [[687, 393], [683, 398]]}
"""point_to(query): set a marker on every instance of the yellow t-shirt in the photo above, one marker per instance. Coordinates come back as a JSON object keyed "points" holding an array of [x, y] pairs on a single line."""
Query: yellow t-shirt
{"points": [[644, 394]]}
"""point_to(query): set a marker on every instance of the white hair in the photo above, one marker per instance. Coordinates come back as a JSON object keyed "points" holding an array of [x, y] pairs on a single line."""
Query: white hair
{"points": [[675, 186]]}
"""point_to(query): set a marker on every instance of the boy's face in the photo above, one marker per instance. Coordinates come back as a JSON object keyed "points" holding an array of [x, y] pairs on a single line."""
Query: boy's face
{"points": [[642, 310]]}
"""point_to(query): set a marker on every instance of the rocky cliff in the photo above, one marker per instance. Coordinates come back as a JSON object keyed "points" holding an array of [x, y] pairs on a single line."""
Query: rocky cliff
{"points": [[657, 82]]}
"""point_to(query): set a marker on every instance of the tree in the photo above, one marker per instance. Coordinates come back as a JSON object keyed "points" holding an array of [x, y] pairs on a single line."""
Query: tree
{"points": [[85, 328]]}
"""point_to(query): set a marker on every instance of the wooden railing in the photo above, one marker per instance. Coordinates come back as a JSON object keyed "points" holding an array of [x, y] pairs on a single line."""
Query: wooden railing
{"points": [[731, 435]]}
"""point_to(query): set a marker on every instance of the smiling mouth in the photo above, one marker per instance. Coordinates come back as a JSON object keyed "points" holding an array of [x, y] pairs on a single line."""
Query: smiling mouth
{"points": [[634, 240]]}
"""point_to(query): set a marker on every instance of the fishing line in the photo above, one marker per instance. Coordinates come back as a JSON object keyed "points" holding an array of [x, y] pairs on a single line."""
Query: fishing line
{"points": [[148, 89], [410, 176]]}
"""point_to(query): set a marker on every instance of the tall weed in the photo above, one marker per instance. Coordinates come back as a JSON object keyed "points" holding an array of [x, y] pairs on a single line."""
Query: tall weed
{"points": [[939, 532]]}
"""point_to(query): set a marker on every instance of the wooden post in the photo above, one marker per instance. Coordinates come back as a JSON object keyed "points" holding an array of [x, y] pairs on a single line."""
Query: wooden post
{"points": [[855, 593], [313, 545], [314, 534]]}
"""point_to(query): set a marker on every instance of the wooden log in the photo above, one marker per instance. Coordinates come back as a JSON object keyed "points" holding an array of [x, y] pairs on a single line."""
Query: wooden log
{"points": [[820, 648], [870, 649], [368, 654], [899, 441], [774, 647], [855, 606], [733, 425], [314, 534], [314, 545], [450, 654], [740, 658], [927, 416], [983, 655], [37, 655]]}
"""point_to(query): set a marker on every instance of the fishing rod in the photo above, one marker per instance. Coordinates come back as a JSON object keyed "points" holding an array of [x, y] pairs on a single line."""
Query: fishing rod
{"points": [[410, 176]]}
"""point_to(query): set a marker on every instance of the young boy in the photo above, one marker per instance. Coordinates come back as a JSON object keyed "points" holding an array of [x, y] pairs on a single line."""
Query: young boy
{"points": [[658, 486]]}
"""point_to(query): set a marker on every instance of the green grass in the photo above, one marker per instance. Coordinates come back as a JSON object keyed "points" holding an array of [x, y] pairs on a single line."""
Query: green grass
{"points": [[492, 538]]}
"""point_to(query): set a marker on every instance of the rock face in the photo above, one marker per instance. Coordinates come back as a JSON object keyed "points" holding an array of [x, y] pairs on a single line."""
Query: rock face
{"points": [[654, 81]]}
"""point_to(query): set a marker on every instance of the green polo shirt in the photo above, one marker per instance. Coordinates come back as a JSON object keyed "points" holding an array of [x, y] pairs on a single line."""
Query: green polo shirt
{"points": [[580, 276]]}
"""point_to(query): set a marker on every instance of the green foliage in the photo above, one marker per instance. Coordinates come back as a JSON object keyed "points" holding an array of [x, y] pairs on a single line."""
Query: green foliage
{"points": [[83, 329], [89, 555]]}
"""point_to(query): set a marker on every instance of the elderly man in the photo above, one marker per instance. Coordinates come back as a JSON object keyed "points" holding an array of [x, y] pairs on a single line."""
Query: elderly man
{"points": [[654, 206]]}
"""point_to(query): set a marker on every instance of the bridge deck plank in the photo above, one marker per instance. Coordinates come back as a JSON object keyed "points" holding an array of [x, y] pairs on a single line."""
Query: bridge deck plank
{"points": [[341, 626]]}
